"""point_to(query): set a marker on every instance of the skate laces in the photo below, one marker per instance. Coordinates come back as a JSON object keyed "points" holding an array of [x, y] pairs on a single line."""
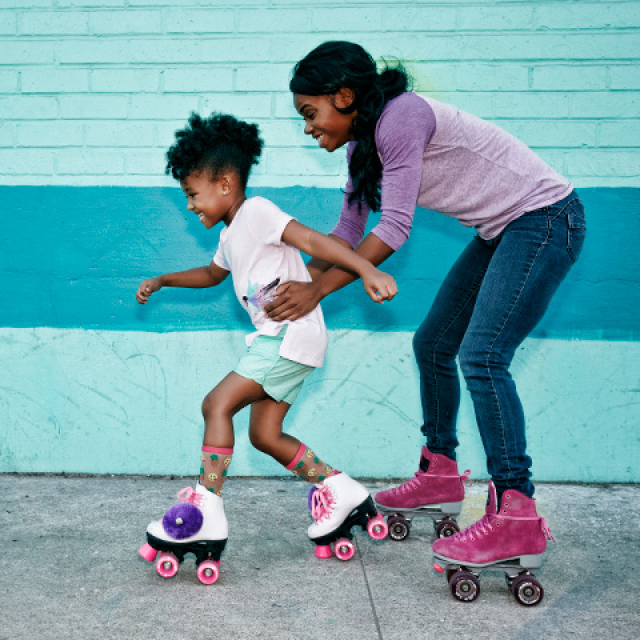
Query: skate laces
{"points": [[466, 480], [322, 503], [477, 529], [545, 529], [189, 495]]}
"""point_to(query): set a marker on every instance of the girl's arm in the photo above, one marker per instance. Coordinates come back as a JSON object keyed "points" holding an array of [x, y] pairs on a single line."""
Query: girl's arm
{"points": [[198, 278], [379, 286]]}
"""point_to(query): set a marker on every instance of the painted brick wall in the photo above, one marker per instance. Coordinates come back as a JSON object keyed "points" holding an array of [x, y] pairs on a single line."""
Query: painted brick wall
{"points": [[92, 90]]}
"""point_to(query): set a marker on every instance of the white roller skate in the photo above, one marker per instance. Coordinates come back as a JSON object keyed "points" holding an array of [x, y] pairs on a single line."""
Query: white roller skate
{"points": [[337, 505], [198, 525]]}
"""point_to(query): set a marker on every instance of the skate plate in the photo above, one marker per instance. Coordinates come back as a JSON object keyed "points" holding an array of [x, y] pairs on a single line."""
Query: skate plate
{"points": [[443, 516], [464, 581]]}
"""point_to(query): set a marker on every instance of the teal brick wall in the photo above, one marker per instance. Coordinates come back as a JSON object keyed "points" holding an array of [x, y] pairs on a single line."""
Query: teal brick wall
{"points": [[92, 90]]}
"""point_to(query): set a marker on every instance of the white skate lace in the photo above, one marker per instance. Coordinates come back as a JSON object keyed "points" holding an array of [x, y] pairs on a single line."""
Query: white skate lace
{"points": [[322, 503], [189, 495]]}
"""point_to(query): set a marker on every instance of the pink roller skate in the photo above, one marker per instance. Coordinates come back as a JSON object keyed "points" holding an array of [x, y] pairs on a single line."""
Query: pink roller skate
{"points": [[436, 493], [512, 540], [195, 525], [338, 504]]}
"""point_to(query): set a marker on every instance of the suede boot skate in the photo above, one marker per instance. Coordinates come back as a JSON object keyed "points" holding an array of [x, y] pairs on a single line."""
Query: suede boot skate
{"points": [[198, 525], [511, 538], [338, 504], [437, 493]]}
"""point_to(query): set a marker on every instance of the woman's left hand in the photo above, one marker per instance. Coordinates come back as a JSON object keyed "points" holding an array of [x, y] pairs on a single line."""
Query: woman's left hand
{"points": [[294, 300]]}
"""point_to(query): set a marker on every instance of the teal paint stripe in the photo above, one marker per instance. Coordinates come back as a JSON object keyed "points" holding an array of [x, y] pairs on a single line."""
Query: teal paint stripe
{"points": [[72, 257]]}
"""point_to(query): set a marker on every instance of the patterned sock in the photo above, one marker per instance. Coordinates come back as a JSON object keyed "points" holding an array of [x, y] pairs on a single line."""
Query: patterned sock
{"points": [[309, 467], [214, 466]]}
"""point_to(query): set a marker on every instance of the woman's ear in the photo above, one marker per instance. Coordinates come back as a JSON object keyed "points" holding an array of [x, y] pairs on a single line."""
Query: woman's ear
{"points": [[343, 98]]}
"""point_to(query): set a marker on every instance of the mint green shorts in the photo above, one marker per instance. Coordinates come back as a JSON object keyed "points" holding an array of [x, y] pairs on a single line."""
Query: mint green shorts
{"points": [[280, 378]]}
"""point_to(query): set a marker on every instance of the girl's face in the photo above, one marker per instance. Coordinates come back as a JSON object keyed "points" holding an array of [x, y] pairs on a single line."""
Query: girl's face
{"points": [[209, 199], [322, 119]]}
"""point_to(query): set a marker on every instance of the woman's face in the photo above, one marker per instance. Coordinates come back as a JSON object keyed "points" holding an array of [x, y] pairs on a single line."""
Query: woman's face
{"points": [[322, 119]]}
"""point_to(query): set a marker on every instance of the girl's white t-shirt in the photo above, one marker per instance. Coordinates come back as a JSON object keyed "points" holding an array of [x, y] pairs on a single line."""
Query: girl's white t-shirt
{"points": [[251, 248]]}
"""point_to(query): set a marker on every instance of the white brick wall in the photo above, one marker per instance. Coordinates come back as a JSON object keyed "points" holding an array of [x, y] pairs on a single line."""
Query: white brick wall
{"points": [[92, 90]]}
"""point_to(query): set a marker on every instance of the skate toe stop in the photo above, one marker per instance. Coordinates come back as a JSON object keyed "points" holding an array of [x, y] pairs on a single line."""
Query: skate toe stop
{"points": [[438, 568], [148, 552], [323, 551]]}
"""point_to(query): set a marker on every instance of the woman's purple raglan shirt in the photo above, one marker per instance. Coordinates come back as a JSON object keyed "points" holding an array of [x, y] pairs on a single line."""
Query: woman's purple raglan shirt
{"points": [[440, 158]]}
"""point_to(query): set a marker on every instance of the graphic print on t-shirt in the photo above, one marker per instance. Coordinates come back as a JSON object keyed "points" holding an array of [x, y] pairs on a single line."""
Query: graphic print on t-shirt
{"points": [[260, 295]]}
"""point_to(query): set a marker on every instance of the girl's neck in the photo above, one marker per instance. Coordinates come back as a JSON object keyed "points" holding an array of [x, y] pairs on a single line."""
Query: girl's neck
{"points": [[234, 208]]}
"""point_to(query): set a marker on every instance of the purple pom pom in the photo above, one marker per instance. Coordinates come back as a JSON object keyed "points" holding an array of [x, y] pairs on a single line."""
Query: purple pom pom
{"points": [[182, 520]]}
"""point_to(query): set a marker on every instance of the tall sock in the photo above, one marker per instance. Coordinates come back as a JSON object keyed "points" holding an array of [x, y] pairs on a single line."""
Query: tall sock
{"points": [[309, 467], [214, 466]]}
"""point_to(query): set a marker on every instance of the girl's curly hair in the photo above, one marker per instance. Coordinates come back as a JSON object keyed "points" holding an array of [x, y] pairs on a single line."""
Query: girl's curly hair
{"points": [[215, 144], [337, 64]]}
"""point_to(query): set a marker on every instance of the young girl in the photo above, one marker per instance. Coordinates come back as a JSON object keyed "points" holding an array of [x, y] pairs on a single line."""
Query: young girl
{"points": [[260, 245], [406, 151]]}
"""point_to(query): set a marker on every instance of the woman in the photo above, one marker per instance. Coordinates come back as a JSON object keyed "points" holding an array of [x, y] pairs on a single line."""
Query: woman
{"points": [[406, 151]]}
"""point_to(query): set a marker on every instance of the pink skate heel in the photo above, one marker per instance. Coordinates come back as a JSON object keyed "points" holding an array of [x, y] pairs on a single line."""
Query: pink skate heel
{"points": [[436, 493], [512, 540]]}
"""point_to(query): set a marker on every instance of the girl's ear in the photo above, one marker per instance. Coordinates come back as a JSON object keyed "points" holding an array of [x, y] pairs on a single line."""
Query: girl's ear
{"points": [[343, 98]]}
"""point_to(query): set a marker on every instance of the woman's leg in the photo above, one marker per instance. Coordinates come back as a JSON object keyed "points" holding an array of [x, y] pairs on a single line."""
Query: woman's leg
{"points": [[437, 342], [532, 258]]}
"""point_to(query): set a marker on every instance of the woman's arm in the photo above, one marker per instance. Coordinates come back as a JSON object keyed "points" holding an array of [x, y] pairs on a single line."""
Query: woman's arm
{"points": [[198, 278], [297, 299], [379, 286]]}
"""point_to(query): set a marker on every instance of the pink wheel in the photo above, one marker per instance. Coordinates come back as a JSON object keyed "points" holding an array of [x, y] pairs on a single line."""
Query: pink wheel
{"points": [[344, 549], [377, 528], [208, 571], [167, 565]]}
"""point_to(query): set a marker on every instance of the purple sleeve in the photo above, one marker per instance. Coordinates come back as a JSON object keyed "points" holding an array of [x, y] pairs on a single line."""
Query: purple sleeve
{"points": [[402, 133], [354, 216]]}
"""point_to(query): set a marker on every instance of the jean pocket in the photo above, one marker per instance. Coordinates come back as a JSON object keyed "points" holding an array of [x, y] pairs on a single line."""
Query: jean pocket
{"points": [[576, 229]]}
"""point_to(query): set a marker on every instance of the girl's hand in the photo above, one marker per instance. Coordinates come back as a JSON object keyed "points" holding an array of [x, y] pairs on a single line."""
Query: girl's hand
{"points": [[379, 286], [294, 300], [146, 289]]}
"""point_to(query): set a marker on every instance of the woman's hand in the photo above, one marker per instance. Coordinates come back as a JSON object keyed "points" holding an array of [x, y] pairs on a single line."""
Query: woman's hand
{"points": [[146, 289], [294, 300], [379, 286]]}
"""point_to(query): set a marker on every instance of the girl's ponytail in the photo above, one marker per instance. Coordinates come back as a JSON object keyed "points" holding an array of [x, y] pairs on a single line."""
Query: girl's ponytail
{"points": [[334, 65]]}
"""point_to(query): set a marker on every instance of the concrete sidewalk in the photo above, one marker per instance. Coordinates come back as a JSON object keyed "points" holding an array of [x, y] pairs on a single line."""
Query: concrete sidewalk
{"points": [[70, 569]]}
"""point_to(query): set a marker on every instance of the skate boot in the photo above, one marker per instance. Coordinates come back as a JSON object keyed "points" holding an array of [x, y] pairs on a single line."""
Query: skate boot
{"points": [[198, 525], [436, 493], [511, 539], [338, 504]]}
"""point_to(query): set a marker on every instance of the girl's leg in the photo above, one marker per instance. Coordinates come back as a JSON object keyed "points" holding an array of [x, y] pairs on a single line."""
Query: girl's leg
{"points": [[532, 258], [437, 342], [231, 395], [266, 435]]}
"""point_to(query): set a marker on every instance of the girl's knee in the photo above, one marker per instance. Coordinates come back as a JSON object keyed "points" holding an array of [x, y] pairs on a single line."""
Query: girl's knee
{"points": [[262, 441]]}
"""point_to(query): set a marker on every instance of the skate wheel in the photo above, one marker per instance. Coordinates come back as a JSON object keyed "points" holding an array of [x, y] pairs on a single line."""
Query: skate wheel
{"points": [[377, 528], [527, 590], [344, 549], [208, 572], [167, 565], [148, 552], [464, 586], [398, 528], [446, 528]]}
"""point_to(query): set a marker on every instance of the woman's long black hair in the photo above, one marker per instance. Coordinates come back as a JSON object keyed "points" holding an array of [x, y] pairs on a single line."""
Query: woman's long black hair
{"points": [[334, 65]]}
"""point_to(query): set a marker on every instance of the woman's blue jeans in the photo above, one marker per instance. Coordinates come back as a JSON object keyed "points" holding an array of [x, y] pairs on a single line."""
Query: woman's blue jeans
{"points": [[491, 300]]}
